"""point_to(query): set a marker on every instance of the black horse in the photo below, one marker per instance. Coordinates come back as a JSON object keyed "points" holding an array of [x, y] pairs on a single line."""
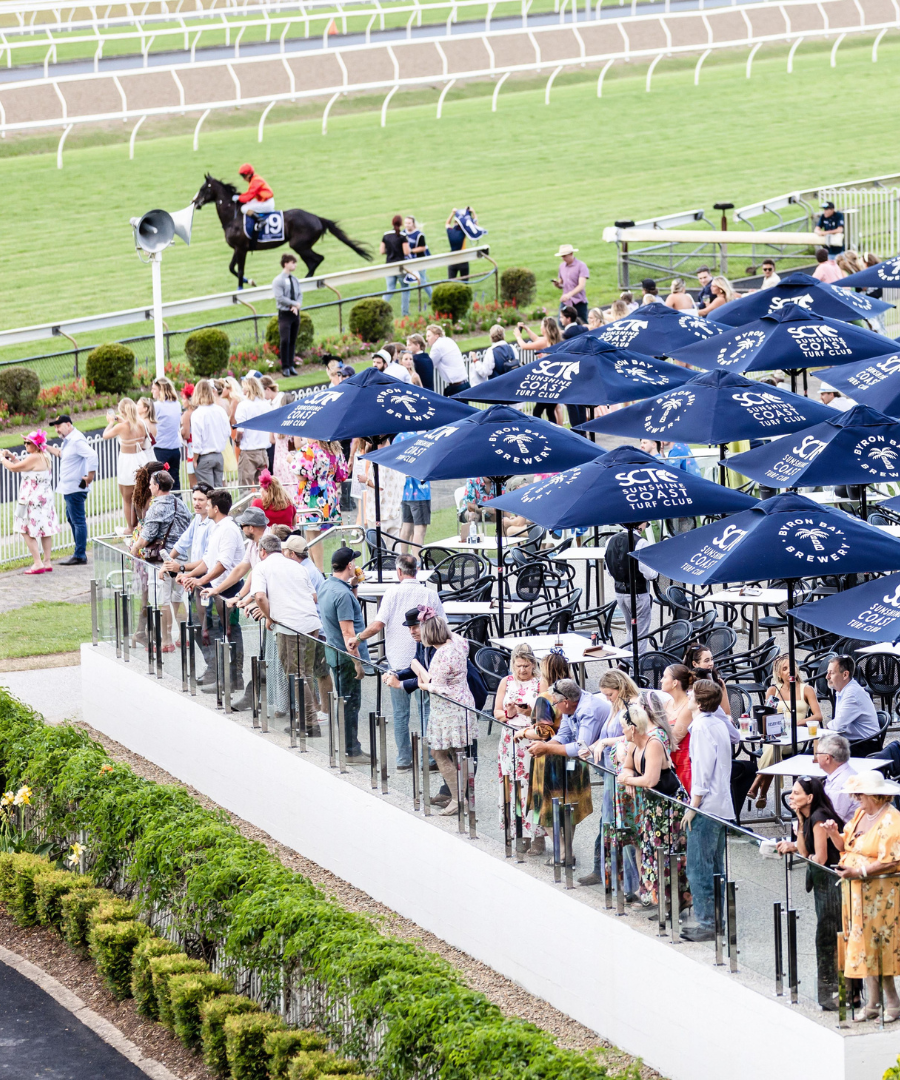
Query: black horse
{"points": [[301, 230]]}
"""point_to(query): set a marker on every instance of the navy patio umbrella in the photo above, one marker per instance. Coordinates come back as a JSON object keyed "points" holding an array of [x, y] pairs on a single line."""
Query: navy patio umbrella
{"points": [[790, 338], [874, 382], [363, 406], [715, 408], [655, 330], [497, 442], [623, 487], [860, 446], [868, 612], [586, 372], [809, 293], [787, 536], [883, 275]]}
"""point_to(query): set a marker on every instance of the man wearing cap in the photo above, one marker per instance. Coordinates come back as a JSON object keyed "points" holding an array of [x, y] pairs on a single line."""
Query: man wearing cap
{"points": [[830, 226], [296, 548], [832, 397], [342, 621], [384, 362], [572, 278], [77, 470], [399, 647], [257, 199]]}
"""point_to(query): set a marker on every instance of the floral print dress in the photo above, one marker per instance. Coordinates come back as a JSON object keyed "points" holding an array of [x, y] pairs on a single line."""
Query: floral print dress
{"points": [[659, 826], [451, 725], [36, 496], [870, 942], [319, 475], [514, 760]]}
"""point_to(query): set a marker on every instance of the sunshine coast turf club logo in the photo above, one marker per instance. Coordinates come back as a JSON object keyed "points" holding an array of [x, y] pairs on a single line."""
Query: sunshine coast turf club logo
{"points": [[415, 448], [878, 456], [768, 410], [406, 404], [817, 341], [741, 346], [712, 553], [649, 487], [308, 407], [805, 301], [878, 615], [795, 460], [665, 412], [519, 446], [548, 379], [875, 373], [536, 492], [622, 332], [697, 327], [813, 540], [639, 371]]}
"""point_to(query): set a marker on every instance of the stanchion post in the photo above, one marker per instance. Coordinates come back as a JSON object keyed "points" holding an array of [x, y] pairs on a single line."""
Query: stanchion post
{"points": [[332, 759], [620, 875], [414, 743], [117, 617], [779, 949], [192, 658], [731, 913], [569, 835], [342, 735], [557, 841], [382, 752], [126, 631], [663, 881], [151, 638], [264, 695], [793, 976], [293, 692], [461, 776], [254, 691], [226, 675], [220, 663], [719, 918], [373, 756], [470, 795], [183, 647], [157, 641]]}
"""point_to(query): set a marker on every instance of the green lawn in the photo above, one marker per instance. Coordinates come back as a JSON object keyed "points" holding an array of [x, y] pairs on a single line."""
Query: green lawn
{"points": [[43, 628], [537, 175]]}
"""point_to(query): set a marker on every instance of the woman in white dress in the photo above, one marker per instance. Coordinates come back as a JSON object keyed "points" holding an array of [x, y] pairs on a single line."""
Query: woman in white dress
{"points": [[134, 451], [35, 512], [513, 704]]}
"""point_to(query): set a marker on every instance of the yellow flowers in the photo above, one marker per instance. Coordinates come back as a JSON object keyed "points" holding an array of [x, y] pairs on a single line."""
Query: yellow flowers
{"points": [[7, 798], [75, 853], [23, 796]]}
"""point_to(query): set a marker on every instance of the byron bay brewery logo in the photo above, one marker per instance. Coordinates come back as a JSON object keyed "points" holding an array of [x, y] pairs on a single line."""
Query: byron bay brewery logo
{"points": [[665, 412], [697, 327], [640, 371], [813, 540], [519, 446], [742, 346], [878, 456], [889, 271], [406, 405], [549, 487]]}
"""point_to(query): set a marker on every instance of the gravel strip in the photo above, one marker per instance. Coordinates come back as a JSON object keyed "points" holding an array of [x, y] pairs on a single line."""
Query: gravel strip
{"points": [[503, 992]]}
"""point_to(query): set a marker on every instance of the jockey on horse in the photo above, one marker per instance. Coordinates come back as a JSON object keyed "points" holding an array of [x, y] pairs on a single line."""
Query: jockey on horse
{"points": [[257, 199]]}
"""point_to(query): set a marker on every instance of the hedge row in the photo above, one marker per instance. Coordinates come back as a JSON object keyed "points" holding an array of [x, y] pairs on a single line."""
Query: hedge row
{"points": [[232, 900]]}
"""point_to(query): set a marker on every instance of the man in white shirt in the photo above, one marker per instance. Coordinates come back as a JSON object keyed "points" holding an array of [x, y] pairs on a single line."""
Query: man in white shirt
{"points": [[399, 646], [383, 361], [287, 602], [710, 752], [254, 444], [854, 713], [210, 432], [447, 359], [833, 757], [769, 277]]}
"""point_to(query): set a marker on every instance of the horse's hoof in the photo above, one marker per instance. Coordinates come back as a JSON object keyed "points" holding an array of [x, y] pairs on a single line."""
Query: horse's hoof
{"points": [[252, 283]]}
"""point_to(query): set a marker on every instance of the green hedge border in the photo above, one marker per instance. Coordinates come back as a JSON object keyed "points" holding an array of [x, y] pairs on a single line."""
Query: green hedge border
{"points": [[232, 900]]}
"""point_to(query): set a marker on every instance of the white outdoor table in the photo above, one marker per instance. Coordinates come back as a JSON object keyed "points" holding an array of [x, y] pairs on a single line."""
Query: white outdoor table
{"points": [[573, 647], [884, 648], [512, 609], [805, 765], [592, 557], [765, 598], [891, 530], [488, 543]]}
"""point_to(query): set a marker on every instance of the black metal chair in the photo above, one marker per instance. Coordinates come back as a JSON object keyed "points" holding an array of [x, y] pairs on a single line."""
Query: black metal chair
{"points": [[494, 667], [866, 747], [752, 669], [385, 555], [651, 666], [432, 557], [677, 635], [599, 617], [876, 518], [720, 642], [739, 701], [556, 623], [881, 672], [460, 572], [681, 606], [477, 629]]}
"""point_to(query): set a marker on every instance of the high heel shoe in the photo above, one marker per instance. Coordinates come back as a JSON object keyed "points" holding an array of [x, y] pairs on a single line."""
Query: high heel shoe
{"points": [[452, 808], [869, 1013], [892, 1015]]}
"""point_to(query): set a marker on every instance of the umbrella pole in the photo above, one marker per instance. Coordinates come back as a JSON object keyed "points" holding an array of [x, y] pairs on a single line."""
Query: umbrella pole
{"points": [[723, 479], [864, 505], [498, 522], [791, 658], [376, 478], [805, 383], [793, 375], [632, 589]]}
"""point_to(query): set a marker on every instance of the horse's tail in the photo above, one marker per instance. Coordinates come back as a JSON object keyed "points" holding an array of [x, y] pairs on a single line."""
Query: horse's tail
{"points": [[338, 233]]}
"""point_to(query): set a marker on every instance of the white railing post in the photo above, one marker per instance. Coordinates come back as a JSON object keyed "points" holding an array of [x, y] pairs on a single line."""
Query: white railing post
{"points": [[652, 68], [134, 132], [496, 93], [62, 143], [444, 92], [203, 116]]}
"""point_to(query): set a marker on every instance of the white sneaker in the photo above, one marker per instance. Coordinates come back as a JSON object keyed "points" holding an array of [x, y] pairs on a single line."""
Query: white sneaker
{"points": [[323, 717]]}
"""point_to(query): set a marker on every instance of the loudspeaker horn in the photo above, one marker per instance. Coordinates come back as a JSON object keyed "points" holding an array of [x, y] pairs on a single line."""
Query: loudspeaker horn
{"points": [[154, 231], [183, 220]]}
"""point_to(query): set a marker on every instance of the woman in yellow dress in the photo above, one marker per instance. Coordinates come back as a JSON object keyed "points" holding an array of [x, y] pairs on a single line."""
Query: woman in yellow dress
{"points": [[869, 945]]}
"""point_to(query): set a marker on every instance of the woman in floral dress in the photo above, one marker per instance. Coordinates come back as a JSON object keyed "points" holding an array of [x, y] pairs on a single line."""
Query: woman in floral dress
{"points": [[320, 469], [514, 701], [451, 727], [35, 513]]}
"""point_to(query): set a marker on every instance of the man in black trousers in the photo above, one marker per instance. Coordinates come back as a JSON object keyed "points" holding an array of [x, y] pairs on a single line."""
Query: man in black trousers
{"points": [[288, 299]]}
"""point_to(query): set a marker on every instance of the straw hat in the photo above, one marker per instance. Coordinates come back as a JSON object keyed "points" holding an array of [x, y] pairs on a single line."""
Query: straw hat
{"points": [[565, 249], [871, 783]]}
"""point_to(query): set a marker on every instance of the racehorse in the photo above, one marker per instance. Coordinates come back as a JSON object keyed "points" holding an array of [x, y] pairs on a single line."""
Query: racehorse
{"points": [[301, 230]]}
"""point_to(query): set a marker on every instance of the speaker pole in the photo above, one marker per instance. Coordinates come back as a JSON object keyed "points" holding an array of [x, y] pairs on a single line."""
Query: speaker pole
{"points": [[158, 338]]}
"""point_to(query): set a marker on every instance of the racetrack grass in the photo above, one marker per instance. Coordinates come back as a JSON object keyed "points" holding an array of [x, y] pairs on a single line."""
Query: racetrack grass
{"points": [[537, 175], [43, 628]]}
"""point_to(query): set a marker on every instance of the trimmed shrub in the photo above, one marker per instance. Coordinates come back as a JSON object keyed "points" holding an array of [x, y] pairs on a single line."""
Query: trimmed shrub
{"points": [[372, 320], [19, 388], [9, 860], [452, 298], [213, 1014], [281, 1046], [245, 1039], [518, 286], [112, 910], [110, 368], [305, 334], [162, 968], [207, 352], [49, 889], [22, 901], [141, 975], [312, 1064], [186, 994], [112, 945], [75, 906]]}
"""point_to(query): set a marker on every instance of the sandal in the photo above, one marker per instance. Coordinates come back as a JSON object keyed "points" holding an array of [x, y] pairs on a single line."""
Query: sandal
{"points": [[168, 648], [34, 570]]}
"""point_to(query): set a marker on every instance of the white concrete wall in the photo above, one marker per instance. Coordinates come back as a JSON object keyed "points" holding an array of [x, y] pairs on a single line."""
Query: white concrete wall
{"points": [[688, 1020]]}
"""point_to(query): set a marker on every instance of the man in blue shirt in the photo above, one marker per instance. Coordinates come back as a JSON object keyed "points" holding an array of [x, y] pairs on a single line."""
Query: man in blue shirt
{"points": [[680, 455], [342, 621], [854, 714], [830, 226], [415, 505], [77, 469]]}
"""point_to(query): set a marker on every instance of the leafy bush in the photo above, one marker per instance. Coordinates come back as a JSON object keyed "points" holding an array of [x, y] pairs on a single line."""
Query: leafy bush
{"points": [[305, 334], [49, 889], [186, 994], [9, 860], [112, 910], [22, 902], [452, 298], [372, 319], [75, 907], [112, 945], [207, 352], [110, 368], [518, 286], [245, 1038], [162, 968], [282, 1045], [142, 976], [311, 1064], [213, 1014], [19, 388]]}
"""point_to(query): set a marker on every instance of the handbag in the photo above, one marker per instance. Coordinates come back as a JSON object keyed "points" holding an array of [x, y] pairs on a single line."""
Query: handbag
{"points": [[153, 551]]}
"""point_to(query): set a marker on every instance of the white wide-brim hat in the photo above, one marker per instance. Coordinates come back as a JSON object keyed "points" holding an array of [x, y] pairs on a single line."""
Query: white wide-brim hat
{"points": [[871, 783], [565, 249]]}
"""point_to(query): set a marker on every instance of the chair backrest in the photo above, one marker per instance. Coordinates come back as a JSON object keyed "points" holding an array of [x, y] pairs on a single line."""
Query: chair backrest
{"points": [[536, 534], [651, 666], [701, 625], [432, 557], [475, 629], [493, 665], [881, 672], [676, 635], [818, 679], [878, 519], [681, 606], [463, 570], [530, 581], [380, 555], [720, 641], [739, 700]]}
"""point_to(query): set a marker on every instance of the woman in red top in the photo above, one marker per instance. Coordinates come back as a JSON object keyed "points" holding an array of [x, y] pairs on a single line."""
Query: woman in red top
{"points": [[274, 501], [676, 681]]}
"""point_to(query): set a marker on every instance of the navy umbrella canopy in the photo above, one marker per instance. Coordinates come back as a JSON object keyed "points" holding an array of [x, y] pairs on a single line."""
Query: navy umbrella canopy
{"points": [[790, 338], [809, 293], [860, 446], [883, 275], [587, 372], [656, 330], [874, 382], [868, 612]]}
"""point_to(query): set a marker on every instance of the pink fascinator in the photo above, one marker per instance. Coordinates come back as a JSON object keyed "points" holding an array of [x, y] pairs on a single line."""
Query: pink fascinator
{"points": [[38, 438], [426, 612], [265, 478]]}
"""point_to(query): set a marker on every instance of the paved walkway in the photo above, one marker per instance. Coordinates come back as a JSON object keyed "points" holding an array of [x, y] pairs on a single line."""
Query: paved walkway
{"points": [[68, 583]]}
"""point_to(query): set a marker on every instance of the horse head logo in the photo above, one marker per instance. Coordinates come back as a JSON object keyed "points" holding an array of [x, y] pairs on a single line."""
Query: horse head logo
{"points": [[810, 448], [729, 538], [893, 600]]}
